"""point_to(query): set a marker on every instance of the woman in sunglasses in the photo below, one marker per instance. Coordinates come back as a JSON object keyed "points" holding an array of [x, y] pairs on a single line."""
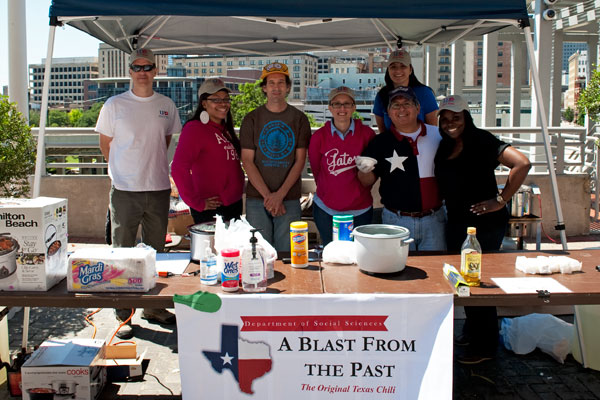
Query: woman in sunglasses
{"points": [[206, 166], [332, 153]]}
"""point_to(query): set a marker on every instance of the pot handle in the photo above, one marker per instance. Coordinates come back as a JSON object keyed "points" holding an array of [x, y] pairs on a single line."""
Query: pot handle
{"points": [[407, 241]]}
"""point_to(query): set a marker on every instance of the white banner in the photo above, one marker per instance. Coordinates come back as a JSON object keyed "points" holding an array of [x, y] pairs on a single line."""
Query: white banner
{"points": [[315, 346]]}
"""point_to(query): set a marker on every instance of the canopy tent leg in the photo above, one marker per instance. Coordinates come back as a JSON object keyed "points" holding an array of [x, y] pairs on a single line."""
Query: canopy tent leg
{"points": [[560, 226], [40, 161]]}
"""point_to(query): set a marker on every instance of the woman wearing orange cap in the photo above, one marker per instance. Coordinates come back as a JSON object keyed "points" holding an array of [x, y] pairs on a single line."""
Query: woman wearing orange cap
{"points": [[206, 167], [400, 72]]}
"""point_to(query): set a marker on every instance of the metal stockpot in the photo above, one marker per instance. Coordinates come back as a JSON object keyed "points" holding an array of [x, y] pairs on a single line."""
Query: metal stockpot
{"points": [[520, 203]]}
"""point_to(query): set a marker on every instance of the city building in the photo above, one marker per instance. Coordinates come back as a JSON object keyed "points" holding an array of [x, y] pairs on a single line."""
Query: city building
{"points": [[66, 81], [302, 67], [182, 90], [568, 49], [113, 63], [577, 78], [474, 63]]}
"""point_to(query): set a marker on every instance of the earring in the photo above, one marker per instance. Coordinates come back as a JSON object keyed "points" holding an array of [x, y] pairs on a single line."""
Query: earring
{"points": [[204, 118]]}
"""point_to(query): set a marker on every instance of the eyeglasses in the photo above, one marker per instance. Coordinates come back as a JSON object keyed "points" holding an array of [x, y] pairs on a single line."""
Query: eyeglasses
{"points": [[340, 105], [218, 100], [398, 106], [138, 68]]}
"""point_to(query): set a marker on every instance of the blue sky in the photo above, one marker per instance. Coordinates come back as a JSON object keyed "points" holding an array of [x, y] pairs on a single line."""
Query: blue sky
{"points": [[69, 42]]}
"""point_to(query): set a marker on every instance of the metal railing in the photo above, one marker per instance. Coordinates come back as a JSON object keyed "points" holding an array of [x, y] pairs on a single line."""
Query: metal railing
{"points": [[573, 149]]}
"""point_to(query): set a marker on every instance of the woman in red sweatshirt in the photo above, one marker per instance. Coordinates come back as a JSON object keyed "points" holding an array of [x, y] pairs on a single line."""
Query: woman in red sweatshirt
{"points": [[206, 167], [332, 153]]}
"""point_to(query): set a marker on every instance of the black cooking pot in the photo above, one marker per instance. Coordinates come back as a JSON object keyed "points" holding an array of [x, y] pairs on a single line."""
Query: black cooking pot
{"points": [[41, 393]]}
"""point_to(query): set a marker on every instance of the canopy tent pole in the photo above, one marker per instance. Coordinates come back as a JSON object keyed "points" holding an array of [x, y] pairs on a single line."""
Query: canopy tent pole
{"points": [[40, 162], [560, 226]]}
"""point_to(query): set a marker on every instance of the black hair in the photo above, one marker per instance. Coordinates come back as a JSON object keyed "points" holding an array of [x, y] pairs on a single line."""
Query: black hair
{"points": [[235, 141], [413, 82], [446, 146]]}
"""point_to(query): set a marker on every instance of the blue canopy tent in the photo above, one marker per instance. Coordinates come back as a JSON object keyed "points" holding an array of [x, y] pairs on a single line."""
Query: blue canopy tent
{"points": [[272, 27]]}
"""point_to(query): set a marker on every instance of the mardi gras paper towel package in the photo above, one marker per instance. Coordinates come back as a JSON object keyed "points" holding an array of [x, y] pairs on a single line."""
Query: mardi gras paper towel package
{"points": [[107, 269]]}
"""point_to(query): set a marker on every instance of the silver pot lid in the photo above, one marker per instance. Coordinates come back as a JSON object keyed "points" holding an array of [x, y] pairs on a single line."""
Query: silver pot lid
{"points": [[203, 229], [381, 231]]}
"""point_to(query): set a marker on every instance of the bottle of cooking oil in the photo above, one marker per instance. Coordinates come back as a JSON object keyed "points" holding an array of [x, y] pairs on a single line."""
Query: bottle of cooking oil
{"points": [[470, 258]]}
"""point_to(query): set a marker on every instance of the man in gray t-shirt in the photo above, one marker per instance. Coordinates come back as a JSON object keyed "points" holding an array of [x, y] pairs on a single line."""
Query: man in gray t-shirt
{"points": [[274, 140]]}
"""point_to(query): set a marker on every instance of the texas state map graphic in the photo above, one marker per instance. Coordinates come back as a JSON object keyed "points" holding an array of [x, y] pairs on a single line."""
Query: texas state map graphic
{"points": [[246, 360]]}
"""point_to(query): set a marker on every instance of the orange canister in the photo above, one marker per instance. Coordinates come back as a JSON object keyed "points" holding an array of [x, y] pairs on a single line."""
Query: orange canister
{"points": [[299, 244]]}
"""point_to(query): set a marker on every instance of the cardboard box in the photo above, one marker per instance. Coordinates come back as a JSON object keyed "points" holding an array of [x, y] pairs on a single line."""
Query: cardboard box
{"points": [[124, 369], [33, 243], [67, 369]]}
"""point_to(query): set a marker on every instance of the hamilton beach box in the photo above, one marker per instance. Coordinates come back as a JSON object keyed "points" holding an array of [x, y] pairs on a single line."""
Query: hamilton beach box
{"points": [[33, 243], [64, 369]]}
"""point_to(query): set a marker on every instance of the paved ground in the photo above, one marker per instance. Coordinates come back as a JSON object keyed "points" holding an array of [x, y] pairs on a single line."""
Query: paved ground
{"points": [[509, 376]]}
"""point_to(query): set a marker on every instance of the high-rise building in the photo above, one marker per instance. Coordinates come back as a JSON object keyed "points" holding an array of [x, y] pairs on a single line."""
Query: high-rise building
{"points": [[302, 68], [474, 56], [114, 63], [577, 77], [568, 49], [66, 81]]}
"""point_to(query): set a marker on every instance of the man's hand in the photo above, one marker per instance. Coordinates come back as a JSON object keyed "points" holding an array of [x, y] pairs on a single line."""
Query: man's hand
{"points": [[274, 204], [365, 164]]}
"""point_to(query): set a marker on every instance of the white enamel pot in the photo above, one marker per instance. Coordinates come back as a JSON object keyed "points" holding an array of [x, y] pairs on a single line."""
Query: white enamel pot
{"points": [[380, 248]]}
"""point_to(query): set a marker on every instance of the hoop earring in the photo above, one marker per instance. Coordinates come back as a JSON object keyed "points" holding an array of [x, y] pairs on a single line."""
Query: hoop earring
{"points": [[204, 118]]}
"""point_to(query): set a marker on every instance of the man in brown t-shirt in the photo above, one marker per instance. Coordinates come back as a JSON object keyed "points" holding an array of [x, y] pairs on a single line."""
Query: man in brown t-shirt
{"points": [[274, 140]]}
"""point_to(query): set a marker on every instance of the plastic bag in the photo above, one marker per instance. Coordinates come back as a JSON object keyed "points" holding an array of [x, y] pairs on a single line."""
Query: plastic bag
{"points": [[551, 334], [340, 252], [236, 236]]}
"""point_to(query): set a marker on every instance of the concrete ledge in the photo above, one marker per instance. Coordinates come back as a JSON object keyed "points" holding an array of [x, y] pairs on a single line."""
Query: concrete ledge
{"points": [[88, 201]]}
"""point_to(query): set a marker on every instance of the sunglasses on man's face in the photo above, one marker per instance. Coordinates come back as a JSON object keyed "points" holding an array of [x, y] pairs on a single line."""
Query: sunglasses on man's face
{"points": [[145, 68]]}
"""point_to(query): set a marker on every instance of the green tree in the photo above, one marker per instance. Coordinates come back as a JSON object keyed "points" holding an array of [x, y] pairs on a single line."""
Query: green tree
{"points": [[17, 151], [34, 118], [89, 117], [74, 116], [57, 118], [356, 115], [312, 121], [589, 98], [569, 115], [251, 96]]}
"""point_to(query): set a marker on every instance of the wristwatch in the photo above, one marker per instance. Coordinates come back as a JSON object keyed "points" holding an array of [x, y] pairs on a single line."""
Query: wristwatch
{"points": [[500, 199]]}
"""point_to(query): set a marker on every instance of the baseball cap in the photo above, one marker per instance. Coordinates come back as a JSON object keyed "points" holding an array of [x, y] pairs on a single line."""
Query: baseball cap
{"points": [[341, 90], [146, 54], [399, 56], [274, 68], [454, 103], [211, 86], [403, 91]]}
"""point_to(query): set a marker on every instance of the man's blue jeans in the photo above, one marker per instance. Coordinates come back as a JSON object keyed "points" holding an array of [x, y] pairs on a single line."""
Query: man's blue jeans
{"points": [[275, 230], [429, 231]]}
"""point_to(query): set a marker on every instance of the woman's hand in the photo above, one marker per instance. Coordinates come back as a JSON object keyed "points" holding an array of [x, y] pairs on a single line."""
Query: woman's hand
{"points": [[212, 203], [486, 206]]}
